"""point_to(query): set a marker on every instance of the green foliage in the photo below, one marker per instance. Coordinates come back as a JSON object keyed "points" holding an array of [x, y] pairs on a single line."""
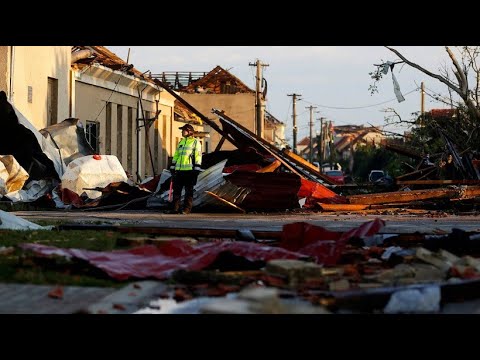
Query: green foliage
{"points": [[369, 158], [461, 129]]}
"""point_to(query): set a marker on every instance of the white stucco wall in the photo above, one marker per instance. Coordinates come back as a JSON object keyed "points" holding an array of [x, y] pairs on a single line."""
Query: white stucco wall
{"points": [[33, 65], [93, 89], [4, 63]]}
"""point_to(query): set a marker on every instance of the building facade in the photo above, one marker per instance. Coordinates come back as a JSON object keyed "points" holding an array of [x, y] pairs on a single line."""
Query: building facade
{"points": [[37, 82]]}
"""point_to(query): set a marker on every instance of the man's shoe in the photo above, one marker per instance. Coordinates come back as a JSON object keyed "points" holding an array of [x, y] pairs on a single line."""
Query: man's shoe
{"points": [[186, 211]]}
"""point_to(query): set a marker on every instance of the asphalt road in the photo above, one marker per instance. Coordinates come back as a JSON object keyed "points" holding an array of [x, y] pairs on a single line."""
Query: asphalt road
{"points": [[398, 224]]}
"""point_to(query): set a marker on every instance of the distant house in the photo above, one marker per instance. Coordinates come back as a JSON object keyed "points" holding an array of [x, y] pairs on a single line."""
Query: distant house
{"points": [[345, 140], [274, 131], [303, 146], [219, 89], [349, 137]]}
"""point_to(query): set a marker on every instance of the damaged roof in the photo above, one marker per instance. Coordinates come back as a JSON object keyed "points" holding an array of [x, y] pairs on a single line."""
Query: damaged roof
{"points": [[272, 120], [217, 81], [87, 55], [183, 114], [83, 56]]}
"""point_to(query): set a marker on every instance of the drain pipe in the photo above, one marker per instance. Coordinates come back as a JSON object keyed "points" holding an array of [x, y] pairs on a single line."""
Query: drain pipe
{"points": [[140, 116]]}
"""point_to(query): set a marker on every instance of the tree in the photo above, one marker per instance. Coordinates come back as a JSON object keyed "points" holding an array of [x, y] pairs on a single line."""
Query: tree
{"points": [[466, 128]]}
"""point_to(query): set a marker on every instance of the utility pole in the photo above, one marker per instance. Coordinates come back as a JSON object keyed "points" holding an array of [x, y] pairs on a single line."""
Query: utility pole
{"points": [[259, 119], [294, 116], [422, 103], [310, 158], [320, 145]]}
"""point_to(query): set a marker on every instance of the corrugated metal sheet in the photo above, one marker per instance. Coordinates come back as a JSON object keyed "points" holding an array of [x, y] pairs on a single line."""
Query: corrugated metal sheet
{"points": [[209, 179], [262, 191]]}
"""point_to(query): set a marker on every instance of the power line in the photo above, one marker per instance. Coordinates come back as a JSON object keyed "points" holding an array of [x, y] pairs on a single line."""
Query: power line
{"points": [[357, 107]]}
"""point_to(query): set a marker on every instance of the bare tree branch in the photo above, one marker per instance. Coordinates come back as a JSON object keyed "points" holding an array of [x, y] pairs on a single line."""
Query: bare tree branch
{"points": [[425, 71]]}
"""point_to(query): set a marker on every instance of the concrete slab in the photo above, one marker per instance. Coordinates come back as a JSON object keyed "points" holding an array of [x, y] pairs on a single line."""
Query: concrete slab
{"points": [[129, 299], [34, 299]]}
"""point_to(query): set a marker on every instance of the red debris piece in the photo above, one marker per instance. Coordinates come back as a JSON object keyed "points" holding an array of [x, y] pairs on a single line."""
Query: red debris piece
{"points": [[182, 295], [242, 167], [119, 307], [316, 192], [160, 261], [323, 245], [56, 293], [70, 197]]}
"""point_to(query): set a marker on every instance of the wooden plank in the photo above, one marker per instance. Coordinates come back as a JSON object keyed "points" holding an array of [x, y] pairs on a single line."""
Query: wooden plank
{"points": [[304, 163], [342, 207], [270, 168], [402, 196], [225, 201]]}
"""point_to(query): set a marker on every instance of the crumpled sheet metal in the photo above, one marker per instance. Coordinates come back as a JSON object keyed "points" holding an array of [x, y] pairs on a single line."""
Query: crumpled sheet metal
{"points": [[300, 240], [266, 191], [160, 262], [315, 192], [323, 245], [69, 137]]}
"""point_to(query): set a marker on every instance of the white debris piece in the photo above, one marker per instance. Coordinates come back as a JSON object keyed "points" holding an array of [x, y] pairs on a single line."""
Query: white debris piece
{"points": [[93, 171], [34, 190], [425, 300], [11, 222]]}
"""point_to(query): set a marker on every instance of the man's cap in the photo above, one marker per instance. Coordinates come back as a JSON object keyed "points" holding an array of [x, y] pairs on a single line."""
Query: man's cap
{"points": [[187, 127]]}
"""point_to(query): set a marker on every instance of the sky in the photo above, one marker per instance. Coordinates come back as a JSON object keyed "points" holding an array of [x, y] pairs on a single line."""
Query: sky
{"points": [[335, 79]]}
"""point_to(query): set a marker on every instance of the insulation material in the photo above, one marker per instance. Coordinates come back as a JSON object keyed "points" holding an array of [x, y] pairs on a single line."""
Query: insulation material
{"points": [[91, 172], [12, 175]]}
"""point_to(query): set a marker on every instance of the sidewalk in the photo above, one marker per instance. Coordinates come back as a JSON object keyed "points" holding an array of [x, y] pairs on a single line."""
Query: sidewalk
{"points": [[35, 299]]}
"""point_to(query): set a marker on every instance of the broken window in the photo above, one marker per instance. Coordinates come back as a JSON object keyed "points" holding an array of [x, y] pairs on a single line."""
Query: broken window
{"points": [[92, 132]]}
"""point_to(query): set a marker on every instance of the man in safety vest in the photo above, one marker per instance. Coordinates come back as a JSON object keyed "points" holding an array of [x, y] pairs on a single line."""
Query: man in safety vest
{"points": [[185, 168]]}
